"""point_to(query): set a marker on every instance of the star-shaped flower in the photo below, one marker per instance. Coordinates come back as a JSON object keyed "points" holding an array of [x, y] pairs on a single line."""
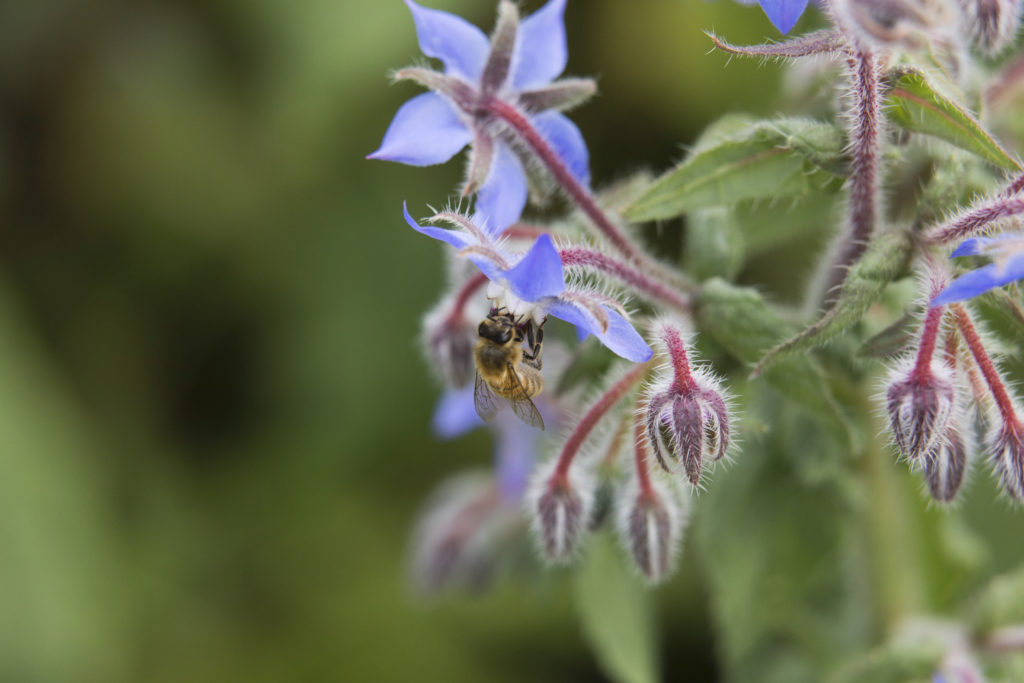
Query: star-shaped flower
{"points": [[782, 13], [534, 284], [515, 67], [1007, 252]]}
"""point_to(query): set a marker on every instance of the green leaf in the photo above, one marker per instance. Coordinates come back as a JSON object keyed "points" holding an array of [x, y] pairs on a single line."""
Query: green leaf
{"points": [[714, 244], [885, 259], [788, 157], [615, 612], [918, 104], [894, 664], [1001, 603], [741, 321]]}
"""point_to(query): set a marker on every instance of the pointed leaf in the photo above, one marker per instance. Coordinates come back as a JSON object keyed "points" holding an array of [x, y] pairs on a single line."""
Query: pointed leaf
{"points": [[615, 611], [885, 259], [787, 157], [917, 103]]}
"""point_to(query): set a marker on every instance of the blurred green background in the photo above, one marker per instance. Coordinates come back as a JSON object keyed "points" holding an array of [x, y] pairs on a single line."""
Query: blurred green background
{"points": [[214, 416]]}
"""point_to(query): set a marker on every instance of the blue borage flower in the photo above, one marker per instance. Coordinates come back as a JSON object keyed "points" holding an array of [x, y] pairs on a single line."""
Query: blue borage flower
{"points": [[431, 128], [1007, 252], [783, 13], [534, 284], [517, 442]]}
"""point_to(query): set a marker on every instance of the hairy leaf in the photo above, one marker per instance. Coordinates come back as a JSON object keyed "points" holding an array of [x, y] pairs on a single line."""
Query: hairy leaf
{"points": [[782, 158], [885, 259], [918, 104], [615, 611]]}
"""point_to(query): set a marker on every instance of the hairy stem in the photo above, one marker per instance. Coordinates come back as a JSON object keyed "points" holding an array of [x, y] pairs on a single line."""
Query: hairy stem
{"points": [[984, 362], [862, 211], [590, 420], [648, 287]]}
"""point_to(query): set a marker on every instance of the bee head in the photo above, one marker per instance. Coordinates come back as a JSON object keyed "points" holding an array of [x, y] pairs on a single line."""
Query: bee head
{"points": [[496, 331]]}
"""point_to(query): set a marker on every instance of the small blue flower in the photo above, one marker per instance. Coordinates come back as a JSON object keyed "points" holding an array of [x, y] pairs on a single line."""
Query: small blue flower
{"points": [[517, 442], [1007, 252], [782, 13], [534, 284], [518, 68]]}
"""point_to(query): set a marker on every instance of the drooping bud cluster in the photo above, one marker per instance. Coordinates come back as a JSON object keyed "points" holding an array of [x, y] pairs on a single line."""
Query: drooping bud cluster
{"points": [[687, 415], [920, 401], [450, 332]]}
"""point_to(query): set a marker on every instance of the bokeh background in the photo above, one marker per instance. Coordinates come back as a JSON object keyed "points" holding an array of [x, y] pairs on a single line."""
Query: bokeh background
{"points": [[214, 416]]}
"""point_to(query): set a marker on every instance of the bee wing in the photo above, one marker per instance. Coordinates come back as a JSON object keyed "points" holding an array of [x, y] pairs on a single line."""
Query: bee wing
{"points": [[484, 399], [522, 405]]}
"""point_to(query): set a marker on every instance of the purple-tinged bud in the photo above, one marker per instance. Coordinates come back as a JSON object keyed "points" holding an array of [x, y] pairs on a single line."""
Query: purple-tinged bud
{"points": [[945, 465], [992, 24], [457, 543], [650, 528], [449, 336], [687, 417], [919, 406], [651, 518], [560, 505], [1007, 454]]}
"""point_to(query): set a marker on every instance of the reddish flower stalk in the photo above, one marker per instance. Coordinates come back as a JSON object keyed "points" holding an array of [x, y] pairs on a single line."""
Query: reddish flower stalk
{"points": [[988, 369], [929, 338], [590, 420], [628, 274], [974, 220], [683, 378], [863, 209], [468, 289], [565, 179], [643, 473]]}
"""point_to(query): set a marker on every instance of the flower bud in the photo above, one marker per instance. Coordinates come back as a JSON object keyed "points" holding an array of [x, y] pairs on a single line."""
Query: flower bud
{"points": [[992, 24], [650, 525], [457, 543], [1007, 454], [687, 425], [919, 406], [449, 337], [560, 507], [945, 465]]}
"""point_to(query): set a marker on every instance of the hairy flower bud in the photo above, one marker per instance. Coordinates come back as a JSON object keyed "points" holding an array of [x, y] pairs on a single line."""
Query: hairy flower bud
{"points": [[992, 24], [945, 465], [1007, 454], [650, 525], [560, 506], [919, 406], [458, 540]]}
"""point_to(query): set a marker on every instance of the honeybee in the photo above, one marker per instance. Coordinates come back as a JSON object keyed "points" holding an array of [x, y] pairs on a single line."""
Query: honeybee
{"points": [[504, 368]]}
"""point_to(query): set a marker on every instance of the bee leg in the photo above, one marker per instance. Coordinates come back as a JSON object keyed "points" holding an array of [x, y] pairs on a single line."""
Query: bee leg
{"points": [[534, 338]]}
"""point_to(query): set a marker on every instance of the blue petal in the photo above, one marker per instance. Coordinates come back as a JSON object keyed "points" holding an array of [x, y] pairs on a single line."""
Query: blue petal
{"points": [[971, 247], [460, 46], [456, 414], [514, 455], [784, 13], [456, 238], [981, 280], [425, 131], [541, 51], [501, 199], [539, 273], [620, 336], [567, 142]]}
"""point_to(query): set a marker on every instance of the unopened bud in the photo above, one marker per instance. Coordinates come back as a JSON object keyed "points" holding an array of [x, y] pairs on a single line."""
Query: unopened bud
{"points": [[992, 24], [456, 544], [919, 406], [688, 425], [560, 507], [945, 465], [1007, 453], [449, 337], [650, 525]]}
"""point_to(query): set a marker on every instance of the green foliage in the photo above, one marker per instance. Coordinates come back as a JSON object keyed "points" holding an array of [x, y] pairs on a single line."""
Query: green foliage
{"points": [[615, 612], [918, 104], [740, 159]]}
